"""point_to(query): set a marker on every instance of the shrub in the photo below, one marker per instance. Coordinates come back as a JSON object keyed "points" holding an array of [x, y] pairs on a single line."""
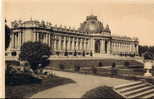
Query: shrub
{"points": [[100, 64], [102, 92], [126, 64], [61, 66], [35, 53], [76, 68], [113, 65], [94, 69]]}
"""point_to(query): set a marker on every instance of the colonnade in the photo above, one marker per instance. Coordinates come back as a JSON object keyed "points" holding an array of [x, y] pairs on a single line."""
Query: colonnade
{"points": [[61, 42], [126, 47]]}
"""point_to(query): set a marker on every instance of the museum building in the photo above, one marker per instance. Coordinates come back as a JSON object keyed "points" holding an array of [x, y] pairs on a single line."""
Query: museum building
{"points": [[92, 38]]}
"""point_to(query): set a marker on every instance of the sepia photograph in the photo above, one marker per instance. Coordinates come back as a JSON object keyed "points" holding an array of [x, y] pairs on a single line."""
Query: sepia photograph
{"points": [[79, 49]]}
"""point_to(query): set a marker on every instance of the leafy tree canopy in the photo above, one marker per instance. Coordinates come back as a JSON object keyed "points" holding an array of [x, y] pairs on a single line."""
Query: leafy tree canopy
{"points": [[7, 36], [146, 51], [35, 53]]}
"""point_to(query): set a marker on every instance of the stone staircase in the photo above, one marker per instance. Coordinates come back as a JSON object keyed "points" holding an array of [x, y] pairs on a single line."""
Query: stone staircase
{"points": [[138, 89]]}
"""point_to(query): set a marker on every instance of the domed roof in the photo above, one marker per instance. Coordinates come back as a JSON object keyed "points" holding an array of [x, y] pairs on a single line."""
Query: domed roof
{"points": [[92, 25]]}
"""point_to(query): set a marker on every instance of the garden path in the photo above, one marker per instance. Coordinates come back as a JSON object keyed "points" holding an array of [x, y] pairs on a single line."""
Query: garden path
{"points": [[84, 83]]}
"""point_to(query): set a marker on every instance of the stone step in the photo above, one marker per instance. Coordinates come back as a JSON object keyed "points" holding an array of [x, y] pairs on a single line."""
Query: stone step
{"points": [[148, 96], [139, 95], [127, 85], [135, 91], [132, 88]]}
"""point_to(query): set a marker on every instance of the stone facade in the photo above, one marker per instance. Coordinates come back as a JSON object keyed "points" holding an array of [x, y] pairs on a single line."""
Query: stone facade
{"points": [[90, 39]]}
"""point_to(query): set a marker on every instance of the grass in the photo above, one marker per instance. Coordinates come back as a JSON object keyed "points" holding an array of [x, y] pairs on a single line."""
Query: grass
{"points": [[27, 86], [102, 92]]}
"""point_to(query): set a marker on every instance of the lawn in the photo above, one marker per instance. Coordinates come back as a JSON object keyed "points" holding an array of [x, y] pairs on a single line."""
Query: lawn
{"points": [[25, 85]]}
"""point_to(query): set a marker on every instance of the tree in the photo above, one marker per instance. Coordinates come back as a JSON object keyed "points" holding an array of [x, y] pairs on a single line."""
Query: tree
{"points": [[35, 53], [142, 49], [148, 55], [7, 36]]}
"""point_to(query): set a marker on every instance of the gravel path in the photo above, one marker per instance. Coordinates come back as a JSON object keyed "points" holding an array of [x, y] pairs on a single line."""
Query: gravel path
{"points": [[83, 84]]}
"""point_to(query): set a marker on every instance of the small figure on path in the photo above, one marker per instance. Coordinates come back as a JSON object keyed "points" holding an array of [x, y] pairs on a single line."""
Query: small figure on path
{"points": [[113, 69]]}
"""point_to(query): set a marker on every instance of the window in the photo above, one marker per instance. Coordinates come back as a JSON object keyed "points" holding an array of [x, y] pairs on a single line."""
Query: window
{"points": [[14, 53]]}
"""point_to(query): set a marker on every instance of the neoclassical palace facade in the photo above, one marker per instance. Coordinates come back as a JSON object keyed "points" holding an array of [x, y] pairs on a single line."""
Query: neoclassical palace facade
{"points": [[92, 38]]}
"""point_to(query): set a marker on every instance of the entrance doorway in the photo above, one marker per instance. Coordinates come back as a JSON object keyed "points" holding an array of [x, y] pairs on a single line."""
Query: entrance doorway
{"points": [[97, 46]]}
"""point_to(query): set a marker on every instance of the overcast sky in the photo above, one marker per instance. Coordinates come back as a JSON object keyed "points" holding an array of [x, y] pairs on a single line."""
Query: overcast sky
{"points": [[125, 17]]}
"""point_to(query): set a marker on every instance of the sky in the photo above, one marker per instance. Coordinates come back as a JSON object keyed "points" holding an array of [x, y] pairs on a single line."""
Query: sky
{"points": [[134, 18]]}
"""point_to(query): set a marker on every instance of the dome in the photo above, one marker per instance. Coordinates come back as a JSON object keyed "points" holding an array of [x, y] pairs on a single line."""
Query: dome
{"points": [[91, 25]]}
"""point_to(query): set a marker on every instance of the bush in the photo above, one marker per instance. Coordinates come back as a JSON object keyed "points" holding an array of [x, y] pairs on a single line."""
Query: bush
{"points": [[113, 65], [100, 64], [126, 64], [35, 53], [61, 66], [102, 92], [94, 69], [21, 79], [76, 68]]}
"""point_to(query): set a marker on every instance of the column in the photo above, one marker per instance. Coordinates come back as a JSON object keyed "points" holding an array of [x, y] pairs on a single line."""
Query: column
{"points": [[72, 43], [86, 45], [12, 40], [64, 47], [129, 47], [59, 44], [102, 46], [83, 44], [19, 40], [68, 43], [46, 38], [108, 47], [80, 45], [16, 40], [54, 43], [137, 49], [37, 36], [89, 44], [34, 36], [92, 45], [49, 41], [77, 43]]}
